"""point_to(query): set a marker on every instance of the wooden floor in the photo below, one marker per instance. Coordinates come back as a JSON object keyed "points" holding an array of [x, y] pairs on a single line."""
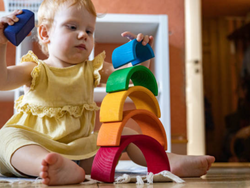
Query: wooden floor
{"points": [[220, 175]]}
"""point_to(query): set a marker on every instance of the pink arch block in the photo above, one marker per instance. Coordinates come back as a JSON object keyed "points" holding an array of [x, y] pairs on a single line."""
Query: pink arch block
{"points": [[103, 168]]}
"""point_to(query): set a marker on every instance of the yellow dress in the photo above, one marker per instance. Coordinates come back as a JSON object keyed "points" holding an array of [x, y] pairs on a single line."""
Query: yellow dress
{"points": [[57, 113]]}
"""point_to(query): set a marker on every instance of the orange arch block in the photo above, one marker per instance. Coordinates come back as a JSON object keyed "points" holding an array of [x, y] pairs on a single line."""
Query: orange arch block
{"points": [[110, 132], [112, 104]]}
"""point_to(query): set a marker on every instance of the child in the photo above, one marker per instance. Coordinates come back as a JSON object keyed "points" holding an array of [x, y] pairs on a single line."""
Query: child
{"points": [[51, 135]]}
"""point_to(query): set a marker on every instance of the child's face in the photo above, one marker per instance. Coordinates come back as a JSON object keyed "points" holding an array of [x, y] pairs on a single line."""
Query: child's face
{"points": [[71, 35]]}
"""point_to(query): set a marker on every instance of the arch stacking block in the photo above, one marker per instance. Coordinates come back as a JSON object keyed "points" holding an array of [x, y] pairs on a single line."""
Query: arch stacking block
{"points": [[112, 104], [133, 52], [110, 132], [105, 161], [140, 75], [17, 32]]}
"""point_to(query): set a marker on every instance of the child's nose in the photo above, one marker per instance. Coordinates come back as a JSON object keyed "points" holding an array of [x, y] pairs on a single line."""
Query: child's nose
{"points": [[82, 35]]}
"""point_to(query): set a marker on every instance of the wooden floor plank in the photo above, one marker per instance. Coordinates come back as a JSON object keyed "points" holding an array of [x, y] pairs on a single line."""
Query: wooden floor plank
{"points": [[228, 175]]}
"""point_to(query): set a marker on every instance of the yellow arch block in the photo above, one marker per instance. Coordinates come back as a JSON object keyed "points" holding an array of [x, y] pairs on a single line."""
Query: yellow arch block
{"points": [[110, 132], [112, 104]]}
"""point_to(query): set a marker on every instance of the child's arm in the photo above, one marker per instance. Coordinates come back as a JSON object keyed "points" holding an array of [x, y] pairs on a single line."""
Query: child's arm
{"points": [[13, 76], [108, 67]]}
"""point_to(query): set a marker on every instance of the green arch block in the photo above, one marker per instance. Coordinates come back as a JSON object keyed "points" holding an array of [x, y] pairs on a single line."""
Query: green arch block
{"points": [[140, 76]]}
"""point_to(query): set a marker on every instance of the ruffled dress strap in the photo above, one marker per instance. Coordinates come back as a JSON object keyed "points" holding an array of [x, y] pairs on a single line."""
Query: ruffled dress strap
{"points": [[31, 57], [97, 65]]}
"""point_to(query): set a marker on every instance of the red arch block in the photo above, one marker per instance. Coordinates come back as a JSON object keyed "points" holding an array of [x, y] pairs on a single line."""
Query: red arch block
{"points": [[103, 168], [110, 132]]}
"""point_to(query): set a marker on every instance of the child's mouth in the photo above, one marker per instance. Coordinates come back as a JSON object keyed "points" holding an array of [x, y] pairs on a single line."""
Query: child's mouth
{"points": [[81, 47]]}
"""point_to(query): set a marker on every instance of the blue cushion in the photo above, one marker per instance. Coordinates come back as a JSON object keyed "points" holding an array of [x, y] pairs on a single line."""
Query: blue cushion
{"points": [[17, 32]]}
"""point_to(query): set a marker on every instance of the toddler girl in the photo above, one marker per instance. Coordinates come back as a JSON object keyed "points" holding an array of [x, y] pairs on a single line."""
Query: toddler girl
{"points": [[52, 136]]}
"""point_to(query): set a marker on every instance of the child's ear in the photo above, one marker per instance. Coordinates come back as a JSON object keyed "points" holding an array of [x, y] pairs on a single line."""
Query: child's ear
{"points": [[44, 34]]}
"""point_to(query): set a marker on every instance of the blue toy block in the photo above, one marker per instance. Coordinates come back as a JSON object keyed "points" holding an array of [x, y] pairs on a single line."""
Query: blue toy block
{"points": [[17, 32], [133, 52]]}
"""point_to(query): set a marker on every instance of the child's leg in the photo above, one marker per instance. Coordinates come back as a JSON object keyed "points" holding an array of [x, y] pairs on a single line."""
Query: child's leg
{"points": [[181, 165], [27, 160], [54, 169], [132, 150], [87, 165]]}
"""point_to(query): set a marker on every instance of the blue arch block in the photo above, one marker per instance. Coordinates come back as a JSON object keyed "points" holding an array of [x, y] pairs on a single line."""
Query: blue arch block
{"points": [[17, 32], [133, 52]]}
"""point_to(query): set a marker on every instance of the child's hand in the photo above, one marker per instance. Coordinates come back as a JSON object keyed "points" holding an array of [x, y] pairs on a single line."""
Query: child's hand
{"points": [[108, 67], [7, 20], [140, 37]]}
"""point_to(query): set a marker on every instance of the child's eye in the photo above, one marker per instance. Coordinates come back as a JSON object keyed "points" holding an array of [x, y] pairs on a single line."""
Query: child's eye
{"points": [[72, 27], [89, 32]]}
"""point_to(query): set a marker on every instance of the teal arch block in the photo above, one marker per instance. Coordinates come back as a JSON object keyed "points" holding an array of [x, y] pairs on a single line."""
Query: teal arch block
{"points": [[140, 76], [133, 52]]}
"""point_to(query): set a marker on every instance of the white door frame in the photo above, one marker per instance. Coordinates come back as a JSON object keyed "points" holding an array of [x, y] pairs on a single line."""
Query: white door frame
{"points": [[194, 79]]}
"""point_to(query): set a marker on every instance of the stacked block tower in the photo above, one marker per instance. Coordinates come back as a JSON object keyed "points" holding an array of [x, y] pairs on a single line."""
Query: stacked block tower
{"points": [[152, 142]]}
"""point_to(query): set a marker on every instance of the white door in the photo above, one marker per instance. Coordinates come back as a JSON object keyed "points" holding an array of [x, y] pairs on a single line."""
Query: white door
{"points": [[194, 79]]}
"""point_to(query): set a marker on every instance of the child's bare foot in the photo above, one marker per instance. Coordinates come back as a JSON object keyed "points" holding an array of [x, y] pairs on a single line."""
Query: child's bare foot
{"points": [[57, 170], [190, 166]]}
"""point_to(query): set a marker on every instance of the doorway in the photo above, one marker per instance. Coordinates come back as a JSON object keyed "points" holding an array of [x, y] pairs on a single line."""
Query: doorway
{"points": [[227, 107]]}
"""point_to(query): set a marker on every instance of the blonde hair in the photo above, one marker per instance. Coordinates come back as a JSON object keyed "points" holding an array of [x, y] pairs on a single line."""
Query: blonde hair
{"points": [[47, 10]]}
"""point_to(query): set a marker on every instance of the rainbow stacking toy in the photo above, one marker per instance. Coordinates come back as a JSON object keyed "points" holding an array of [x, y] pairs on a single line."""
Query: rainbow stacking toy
{"points": [[153, 141]]}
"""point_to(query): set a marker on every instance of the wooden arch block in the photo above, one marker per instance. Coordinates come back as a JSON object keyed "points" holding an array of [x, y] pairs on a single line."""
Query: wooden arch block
{"points": [[110, 132], [105, 161], [140, 76], [112, 104], [133, 52]]}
